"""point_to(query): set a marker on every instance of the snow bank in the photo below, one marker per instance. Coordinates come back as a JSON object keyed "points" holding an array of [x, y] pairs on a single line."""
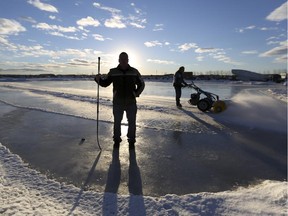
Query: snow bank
{"points": [[25, 191], [280, 94]]}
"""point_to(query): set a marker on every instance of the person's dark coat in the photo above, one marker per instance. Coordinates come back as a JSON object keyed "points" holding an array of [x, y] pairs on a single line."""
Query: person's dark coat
{"points": [[179, 80], [127, 84]]}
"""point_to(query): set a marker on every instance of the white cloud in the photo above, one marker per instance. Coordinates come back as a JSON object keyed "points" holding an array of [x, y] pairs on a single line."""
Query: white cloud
{"points": [[10, 27], [83, 29], [272, 38], [226, 60], [158, 27], [52, 17], [157, 61], [279, 14], [35, 51], [251, 27], [79, 62], [137, 25], [59, 34], [4, 42], [136, 20], [137, 10], [272, 42], [43, 6], [222, 57], [118, 20], [115, 22], [249, 52], [56, 30], [205, 50], [30, 48], [281, 59], [38, 50], [47, 27], [281, 50], [275, 39], [200, 58], [187, 46], [98, 37], [76, 52], [28, 19], [152, 43], [267, 28], [109, 9], [88, 21]]}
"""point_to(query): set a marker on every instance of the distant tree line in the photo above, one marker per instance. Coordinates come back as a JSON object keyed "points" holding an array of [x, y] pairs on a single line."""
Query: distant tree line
{"points": [[167, 77]]}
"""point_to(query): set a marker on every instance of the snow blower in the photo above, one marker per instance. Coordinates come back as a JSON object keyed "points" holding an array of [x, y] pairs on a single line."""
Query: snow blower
{"points": [[204, 104]]}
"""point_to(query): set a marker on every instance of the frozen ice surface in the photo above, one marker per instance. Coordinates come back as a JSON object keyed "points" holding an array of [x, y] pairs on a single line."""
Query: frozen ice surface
{"points": [[197, 142]]}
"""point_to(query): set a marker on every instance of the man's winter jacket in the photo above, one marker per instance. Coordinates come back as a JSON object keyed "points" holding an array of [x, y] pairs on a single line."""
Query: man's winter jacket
{"points": [[179, 80], [127, 84]]}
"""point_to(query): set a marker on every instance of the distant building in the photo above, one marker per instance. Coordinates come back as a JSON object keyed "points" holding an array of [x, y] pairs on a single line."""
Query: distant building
{"points": [[188, 75], [245, 75]]}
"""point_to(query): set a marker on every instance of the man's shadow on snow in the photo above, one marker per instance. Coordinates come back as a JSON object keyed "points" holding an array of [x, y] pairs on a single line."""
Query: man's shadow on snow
{"points": [[136, 201], [114, 173], [134, 181], [113, 181]]}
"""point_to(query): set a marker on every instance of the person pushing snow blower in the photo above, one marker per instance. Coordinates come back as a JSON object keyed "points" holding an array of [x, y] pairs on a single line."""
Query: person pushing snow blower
{"points": [[206, 102], [178, 83], [127, 85]]}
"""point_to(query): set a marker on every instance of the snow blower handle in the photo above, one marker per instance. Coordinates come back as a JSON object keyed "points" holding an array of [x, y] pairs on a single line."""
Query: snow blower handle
{"points": [[190, 85]]}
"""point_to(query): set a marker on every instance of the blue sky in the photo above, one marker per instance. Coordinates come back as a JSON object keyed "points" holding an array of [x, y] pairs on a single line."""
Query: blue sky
{"points": [[68, 36]]}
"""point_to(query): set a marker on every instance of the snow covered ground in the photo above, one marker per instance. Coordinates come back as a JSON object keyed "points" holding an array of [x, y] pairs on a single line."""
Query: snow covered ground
{"points": [[25, 191]]}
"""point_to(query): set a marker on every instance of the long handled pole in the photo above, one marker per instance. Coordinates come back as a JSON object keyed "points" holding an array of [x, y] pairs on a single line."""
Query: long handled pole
{"points": [[98, 106]]}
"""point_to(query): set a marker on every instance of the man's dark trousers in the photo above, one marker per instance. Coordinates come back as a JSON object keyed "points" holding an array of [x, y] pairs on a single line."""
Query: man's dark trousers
{"points": [[178, 94], [131, 111]]}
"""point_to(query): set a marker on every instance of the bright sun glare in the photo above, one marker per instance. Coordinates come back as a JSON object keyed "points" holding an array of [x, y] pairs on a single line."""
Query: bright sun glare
{"points": [[134, 57]]}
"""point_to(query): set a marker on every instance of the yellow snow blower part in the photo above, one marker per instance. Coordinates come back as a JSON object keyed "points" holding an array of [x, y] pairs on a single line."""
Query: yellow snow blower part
{"points": [[219, 106]]}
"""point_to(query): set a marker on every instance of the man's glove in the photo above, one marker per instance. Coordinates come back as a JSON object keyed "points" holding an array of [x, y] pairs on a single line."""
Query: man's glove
{"points": [[97, 78]]}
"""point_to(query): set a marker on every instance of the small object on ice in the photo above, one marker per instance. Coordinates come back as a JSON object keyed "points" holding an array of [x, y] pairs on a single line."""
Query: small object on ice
{"points": [[82, 141]]}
